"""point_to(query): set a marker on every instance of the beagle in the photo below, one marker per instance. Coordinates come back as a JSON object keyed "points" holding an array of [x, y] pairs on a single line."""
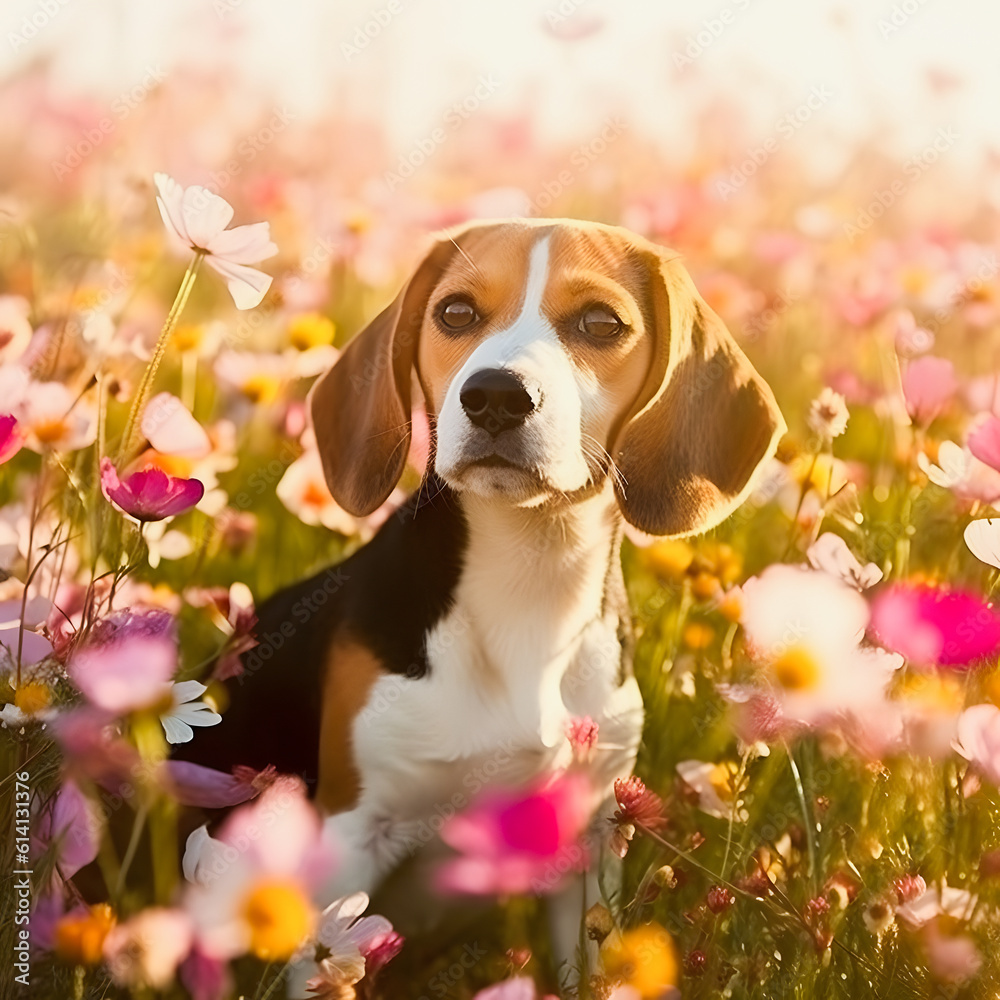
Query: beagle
{"points": [[575, 380]]}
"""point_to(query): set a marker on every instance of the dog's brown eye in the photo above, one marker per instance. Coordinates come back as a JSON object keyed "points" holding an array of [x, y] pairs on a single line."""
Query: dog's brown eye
{"points": [[600, 322], [458, 315]]}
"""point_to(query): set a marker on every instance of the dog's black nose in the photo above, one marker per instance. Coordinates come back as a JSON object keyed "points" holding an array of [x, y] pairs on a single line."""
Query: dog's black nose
{"points": [[495, 400]]}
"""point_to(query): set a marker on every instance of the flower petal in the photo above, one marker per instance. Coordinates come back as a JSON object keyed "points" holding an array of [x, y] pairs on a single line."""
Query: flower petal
{"points": [[169, 200], [244, 244], [205, 215], [175, 730], [983, 539], [247, 285]]}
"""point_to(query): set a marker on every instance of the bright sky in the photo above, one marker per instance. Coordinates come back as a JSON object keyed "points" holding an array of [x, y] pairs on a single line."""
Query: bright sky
{"points": [[428, 54]]}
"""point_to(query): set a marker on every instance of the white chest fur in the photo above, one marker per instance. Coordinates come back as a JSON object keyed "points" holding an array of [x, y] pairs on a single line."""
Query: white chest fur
{"points": [[528, 644]]}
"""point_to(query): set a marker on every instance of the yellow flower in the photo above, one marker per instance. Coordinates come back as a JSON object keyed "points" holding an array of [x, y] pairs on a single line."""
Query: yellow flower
{"points": [[705, 586], [698, 635], [670, 557], [33, 697], [643, 958], [723, 778], [79, 939], [279, 917], [188, 337], [310, 330], [261, 388]]}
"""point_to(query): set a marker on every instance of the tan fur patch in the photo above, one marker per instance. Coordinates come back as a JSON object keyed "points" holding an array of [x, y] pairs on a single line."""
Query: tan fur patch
{"points": [[351, 672]]}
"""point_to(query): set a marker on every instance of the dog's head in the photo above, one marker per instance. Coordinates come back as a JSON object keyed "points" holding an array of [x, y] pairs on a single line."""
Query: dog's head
{"points": [[552, 354]]}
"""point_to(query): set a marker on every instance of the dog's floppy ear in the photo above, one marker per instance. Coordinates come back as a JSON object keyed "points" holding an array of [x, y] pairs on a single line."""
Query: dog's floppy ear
{"points": [[361, 407], [703, 423]]}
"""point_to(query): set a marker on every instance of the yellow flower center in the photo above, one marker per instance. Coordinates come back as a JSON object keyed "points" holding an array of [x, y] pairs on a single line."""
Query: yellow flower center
{"points": [[279, 917], [721, 780], [50, 431], [797, 670], [79, 939], [310, 330], [642, 958], [261, 388], [32, 697], [188, 337]]}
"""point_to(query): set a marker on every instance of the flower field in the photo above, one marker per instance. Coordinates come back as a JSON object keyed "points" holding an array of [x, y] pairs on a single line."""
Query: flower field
{"points": [[815, 811]]}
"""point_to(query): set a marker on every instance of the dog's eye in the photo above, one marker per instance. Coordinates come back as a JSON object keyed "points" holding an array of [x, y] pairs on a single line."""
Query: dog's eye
{"points": [[600, 322], [458, 315]]}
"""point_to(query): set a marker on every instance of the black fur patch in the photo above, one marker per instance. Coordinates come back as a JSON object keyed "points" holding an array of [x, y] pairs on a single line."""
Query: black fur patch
{"points": [[387, 596]]}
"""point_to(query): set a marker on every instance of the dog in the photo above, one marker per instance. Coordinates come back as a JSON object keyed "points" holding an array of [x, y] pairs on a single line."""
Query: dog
{"points": [[575, 381]]}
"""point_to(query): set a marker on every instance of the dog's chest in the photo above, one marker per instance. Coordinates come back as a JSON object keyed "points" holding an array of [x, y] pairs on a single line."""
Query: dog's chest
{"points": [[529, 642]]}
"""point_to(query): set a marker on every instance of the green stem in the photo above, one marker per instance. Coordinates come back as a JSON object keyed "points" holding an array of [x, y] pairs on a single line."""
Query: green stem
{"points": [[133, 844], [169, 325], [810, 830]]}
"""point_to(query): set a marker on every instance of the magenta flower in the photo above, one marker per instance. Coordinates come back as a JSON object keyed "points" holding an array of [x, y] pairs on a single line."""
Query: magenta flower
{"points": [[519, 841], [10, 438], [125, 674], [150, 495], [984, 442], [929, 384], [931, 625], [204, 787], [71, 824]]}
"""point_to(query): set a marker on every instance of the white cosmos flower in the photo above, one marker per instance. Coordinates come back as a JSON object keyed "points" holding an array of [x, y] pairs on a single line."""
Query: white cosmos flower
{"points": [[983, 539], [187, 711], [830, 554], [197, 219]]}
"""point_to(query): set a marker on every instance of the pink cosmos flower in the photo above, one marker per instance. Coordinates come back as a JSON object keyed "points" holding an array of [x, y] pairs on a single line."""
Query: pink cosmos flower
{"points": [[253, 883], [145, 950], [984, 441], [54, 416], [10, 438], [519, 841], [150, 495], [911, 340], [979, 740], [936, 901], [204, 977], [929, 384], [169, 427], [931, 625], [951, 957], [804, 629], [196, 219], [518, 988], [71, 824], [126, 674], [206, 788]]}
